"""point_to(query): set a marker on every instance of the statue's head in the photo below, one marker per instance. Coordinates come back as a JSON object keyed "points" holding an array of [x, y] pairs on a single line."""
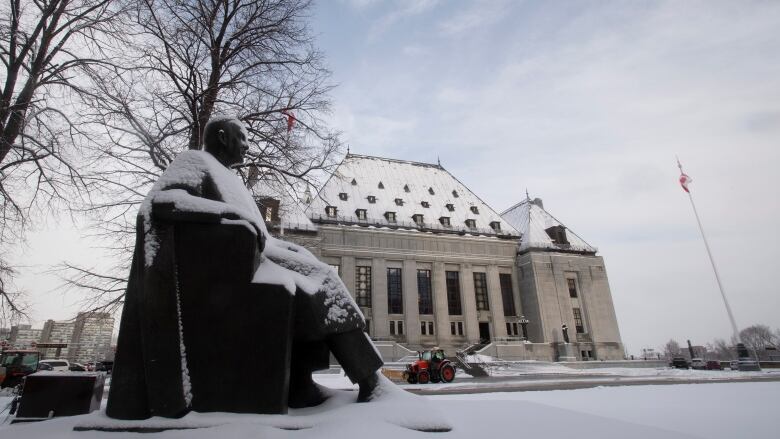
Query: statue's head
{"points": [[226, 139]]}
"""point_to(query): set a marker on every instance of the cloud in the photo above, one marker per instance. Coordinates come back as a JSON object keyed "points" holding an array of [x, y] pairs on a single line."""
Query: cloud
{"points": [[478, 14], [400, 10]]}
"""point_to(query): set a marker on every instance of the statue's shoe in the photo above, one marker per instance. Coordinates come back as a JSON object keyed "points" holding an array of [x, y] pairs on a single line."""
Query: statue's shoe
{"points": [[306, 393]]}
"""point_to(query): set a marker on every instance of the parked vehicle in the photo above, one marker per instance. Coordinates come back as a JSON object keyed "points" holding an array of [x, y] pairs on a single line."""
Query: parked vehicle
{"points": [[432, 366], [76, 367], [714, 365], [58, 365], [15, 365], [679, 363], [698, 364], [734, 365]]}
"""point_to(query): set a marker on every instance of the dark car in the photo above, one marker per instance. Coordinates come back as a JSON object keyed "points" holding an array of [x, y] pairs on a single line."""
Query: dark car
{"points": [[714, 365], [679, 363]]}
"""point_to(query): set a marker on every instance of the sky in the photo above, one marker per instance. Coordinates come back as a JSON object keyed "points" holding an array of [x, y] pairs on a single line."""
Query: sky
{"points": [[585, 105]]}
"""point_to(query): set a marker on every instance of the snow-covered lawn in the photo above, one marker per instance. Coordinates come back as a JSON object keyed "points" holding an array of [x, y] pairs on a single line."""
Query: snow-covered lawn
{"points": [[712, 411]]}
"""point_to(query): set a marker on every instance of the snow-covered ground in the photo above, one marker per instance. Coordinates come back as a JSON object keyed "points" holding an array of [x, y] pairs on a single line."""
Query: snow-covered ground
{"points": [[712, 411]]}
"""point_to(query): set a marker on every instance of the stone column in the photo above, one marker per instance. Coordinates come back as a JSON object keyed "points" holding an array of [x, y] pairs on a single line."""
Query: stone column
{"points": [[440, 309], [379, 297], [411, 305], [469, 303], [348, 273], [496, 302]]}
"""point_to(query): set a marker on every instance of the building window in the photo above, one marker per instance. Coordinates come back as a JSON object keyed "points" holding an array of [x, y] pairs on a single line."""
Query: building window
{"points": [[399, 202], [426, 328], [425, 204], [578, 321], [455, 193], [456, 328], [331, 211], [557, 234], [507, 297], [474, 210], [495, 225], [406, 188], [363, 286], [371, 199], [480, 291], [395, 303], [430, 191], [453, 293], [336, 268], [361, 214], [380, 185], [424, 293], [451, 207], [418, 219], [396, 327], [471, 224], [445, 221], [390, 216], [343, 196], [572, 284], [512, 329]]}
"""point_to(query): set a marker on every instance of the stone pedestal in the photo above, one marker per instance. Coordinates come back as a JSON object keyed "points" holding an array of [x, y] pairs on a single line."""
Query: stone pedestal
{"points": [[566, 352]]}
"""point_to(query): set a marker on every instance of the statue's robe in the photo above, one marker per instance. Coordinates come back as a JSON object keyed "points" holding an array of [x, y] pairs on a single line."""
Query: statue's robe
{"points": [[150, 372]]}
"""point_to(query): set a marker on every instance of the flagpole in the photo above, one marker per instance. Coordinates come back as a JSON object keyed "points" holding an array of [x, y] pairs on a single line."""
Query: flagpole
{"points": [[715, 269]]}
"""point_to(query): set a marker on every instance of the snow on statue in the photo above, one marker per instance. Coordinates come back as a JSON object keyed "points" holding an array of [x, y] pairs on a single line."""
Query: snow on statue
{"points": [[199, 187]]}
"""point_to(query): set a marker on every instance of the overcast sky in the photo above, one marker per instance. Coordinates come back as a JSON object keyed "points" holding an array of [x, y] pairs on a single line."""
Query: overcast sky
{"points": [[585, 104]]}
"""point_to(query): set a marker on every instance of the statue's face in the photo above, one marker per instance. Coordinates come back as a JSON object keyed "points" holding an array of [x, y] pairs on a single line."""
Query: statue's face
{"points": [[235, 143]]}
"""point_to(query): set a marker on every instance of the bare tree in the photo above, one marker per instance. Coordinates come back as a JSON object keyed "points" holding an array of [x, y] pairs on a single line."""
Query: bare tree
{"points": [[191, 60], [721, 349], [757, 338], [44, 44], [671, 349]]}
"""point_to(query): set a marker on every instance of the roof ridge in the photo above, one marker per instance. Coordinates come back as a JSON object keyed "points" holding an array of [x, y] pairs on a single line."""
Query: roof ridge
{"points": [[409, 162]]}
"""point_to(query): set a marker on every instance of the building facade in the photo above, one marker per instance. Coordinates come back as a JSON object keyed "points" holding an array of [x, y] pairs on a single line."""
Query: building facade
{"points": [[431, 264], [23, 337], [91, 339], [56, 333]]}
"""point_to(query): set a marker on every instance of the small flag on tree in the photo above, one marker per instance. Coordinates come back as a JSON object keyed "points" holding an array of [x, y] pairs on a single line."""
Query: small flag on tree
{"points": [[290, 120], [684, 179]]}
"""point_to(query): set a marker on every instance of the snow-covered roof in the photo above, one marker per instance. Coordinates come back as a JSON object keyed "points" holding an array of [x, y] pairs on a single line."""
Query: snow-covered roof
{"points": [[373, 184], [530, 219], [292, 215]]}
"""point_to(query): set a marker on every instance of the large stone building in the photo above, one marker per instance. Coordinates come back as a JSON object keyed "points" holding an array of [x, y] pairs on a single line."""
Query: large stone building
{"points": [[91, 339], [23, 337], [431, 264], [59, 333]]}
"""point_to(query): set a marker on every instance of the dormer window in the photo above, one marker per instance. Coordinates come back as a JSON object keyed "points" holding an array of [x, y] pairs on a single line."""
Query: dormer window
{"points": [[269, 209], [474, 210], [371, 199], [343, 196], [445, 221], [406, 188], [557, 234], [354, 182], [430, 191], [399, 202], [451, 207], [455, 193], [361, 214], [390, 217], [418, 219], [331, 211], [425, 204], [471, 224], [381, 186], [495, 225]]}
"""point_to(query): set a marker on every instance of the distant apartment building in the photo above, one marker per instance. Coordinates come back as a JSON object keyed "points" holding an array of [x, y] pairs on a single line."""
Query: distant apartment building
{"points": [[91, 339], [23, 337], [56, 333]]}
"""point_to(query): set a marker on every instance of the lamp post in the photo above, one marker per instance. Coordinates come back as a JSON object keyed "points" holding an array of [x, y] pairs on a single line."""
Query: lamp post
{"points": [[524, 325]]}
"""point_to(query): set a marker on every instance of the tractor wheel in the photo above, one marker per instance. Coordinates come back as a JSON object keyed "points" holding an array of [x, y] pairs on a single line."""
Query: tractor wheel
{"points": [[423, 377], [447, 373], [410, 378]]}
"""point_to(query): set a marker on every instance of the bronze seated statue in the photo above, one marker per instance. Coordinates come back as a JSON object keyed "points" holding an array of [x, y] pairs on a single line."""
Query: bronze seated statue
{"points": [[218, 315]]}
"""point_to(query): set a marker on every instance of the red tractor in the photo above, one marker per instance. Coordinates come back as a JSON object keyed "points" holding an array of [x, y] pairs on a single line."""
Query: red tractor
{"points": [[431, 366]]}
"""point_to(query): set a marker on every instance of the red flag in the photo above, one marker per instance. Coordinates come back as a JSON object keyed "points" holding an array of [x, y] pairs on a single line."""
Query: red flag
{"points": [[684, 179], [290, 120]]}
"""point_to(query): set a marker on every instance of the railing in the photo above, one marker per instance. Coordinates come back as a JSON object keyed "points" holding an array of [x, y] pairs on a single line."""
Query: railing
{"points": [[565, 247], [409, 225]]}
